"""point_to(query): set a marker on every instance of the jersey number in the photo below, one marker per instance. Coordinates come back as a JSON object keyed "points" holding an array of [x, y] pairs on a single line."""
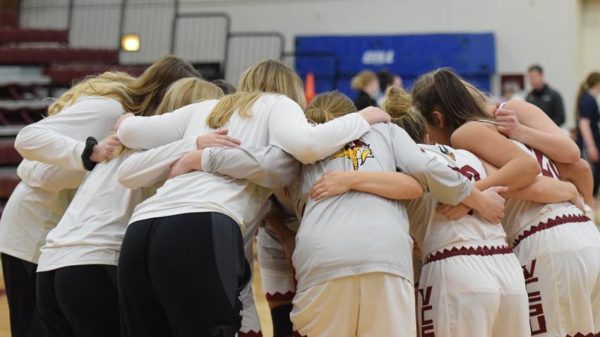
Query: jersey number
{"points": [[468, 171], [548, 167]]}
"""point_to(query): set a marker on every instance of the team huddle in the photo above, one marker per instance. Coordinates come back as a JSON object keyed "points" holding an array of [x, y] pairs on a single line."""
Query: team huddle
{"points": [[441, 214]]}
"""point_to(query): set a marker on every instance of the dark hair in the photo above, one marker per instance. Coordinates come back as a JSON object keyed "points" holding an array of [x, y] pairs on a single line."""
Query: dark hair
{"points": [[536, 67], [227, 87], [592, 79], [444, 91], [386, 79]]}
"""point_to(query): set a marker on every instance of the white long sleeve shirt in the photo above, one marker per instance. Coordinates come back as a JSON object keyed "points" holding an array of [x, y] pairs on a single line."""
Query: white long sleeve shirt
{"points": [[41, 198], [275, 120], [93, 226], [60, 139]]}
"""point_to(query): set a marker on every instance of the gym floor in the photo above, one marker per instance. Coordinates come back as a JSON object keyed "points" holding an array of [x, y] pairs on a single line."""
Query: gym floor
{"points": [[259, 295]]}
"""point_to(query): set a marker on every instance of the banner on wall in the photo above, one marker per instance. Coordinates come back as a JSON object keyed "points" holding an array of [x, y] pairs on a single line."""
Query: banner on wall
{"points": [[335, 59]]}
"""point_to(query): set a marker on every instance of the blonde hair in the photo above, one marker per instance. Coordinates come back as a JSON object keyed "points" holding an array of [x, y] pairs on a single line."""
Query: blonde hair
{"points": [[398, 103], [329, 105], [268, 76], [187, 91], [184, 92], [362, 79], [138, 95]]}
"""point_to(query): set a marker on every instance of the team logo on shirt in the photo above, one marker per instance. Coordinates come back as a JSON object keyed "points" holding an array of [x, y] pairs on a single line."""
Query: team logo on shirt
{"points": [[357, 152]]}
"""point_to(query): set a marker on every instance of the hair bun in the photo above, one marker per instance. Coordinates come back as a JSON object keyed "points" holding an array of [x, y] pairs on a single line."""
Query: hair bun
{"points": [[397, 102]]}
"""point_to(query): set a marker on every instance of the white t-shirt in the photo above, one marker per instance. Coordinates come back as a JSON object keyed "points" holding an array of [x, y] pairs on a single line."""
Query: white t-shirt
{"points": [[93, 226], [275, 120], [431, 230], [39, 201]]}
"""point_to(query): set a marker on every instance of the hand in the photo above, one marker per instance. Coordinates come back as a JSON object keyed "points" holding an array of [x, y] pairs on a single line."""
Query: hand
{"points": [[331, 184], [375, 115], [121, 119], [492, 205], [579, 202], [592, 153], [217, 138], [105, 149], [508, 123], [453, 212], [191, 161]]}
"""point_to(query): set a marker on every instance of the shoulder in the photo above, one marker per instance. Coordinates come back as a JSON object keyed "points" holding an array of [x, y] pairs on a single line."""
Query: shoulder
{"points": [[471, 130]]}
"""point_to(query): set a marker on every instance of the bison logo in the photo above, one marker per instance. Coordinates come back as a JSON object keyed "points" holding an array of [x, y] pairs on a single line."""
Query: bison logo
{"points": [[357, 152]]}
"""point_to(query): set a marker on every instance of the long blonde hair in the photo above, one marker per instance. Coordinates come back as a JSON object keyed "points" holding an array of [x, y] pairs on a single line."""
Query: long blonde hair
{"points": [[329, 105], [138, 95], [269, 76], [398, 103], [184, 92]]}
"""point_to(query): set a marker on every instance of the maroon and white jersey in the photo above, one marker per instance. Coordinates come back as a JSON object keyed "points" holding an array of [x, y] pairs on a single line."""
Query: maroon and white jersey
{"points": [[522, 214], [431, 230]]}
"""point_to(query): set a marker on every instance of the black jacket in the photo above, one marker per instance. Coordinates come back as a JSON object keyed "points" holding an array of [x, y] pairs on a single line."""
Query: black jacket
{"points": [[550, 102], [363, 100]]}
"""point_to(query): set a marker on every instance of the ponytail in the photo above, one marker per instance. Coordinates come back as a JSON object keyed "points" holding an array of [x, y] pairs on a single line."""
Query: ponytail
{"points": [[329, 105]]}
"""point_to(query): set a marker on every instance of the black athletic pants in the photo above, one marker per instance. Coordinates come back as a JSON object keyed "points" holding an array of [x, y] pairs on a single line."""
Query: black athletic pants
{"points": [[181, 276], [19, 280], [79, 301]]}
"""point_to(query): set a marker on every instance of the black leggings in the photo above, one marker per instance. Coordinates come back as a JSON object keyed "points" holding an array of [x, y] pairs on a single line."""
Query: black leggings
{"points": [[19, 280], [181, 276], [79, 301]]}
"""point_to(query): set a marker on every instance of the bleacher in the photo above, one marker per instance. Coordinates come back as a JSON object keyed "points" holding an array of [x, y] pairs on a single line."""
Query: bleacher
{"points": [[36, 64]]}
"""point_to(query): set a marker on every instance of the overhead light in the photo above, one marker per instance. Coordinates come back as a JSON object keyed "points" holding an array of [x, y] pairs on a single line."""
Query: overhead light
{"points": [[130, 42]]}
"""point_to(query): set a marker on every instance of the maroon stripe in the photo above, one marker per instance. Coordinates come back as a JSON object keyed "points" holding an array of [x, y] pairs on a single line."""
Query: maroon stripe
{"points": [[479, 251], [250, 334], [579, 334], [279, 297], [559, 220]]}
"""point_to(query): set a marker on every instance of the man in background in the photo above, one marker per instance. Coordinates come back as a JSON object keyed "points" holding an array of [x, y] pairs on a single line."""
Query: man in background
{"points": [[544, 97]]}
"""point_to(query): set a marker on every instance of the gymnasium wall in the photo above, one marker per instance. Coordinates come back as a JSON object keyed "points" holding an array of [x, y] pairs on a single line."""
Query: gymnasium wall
{"points": [[527, 31]]}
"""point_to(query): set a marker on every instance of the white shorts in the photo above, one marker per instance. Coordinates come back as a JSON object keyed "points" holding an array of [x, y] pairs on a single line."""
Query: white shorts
{"points": [[276, 271], [250, 320], [561, 264], [368, 305], [478, 295]]}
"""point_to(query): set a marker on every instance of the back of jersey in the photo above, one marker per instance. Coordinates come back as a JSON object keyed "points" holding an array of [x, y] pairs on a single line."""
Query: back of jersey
{"points": [[521, 214], [432, 230]]}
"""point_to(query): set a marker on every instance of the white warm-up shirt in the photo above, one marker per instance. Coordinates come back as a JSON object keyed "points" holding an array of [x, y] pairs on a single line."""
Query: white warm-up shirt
{"points": [[93, 226], [434, 232], [40, 199], [275, 120]]}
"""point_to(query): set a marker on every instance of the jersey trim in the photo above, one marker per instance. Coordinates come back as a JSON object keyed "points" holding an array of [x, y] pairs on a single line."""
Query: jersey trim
{"points": [[460, 251], [559, 220]]}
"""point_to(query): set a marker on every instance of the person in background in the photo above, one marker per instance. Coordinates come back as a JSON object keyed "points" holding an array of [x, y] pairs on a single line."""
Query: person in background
{"points": [[367, 86], [588, 116], [544, 97]]}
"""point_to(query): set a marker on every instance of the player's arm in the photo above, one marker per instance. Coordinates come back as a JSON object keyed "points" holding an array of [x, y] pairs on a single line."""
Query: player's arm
{"points": [[544, 190], [391, 185], [516, 168], [580, 174], [528, 124]]}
